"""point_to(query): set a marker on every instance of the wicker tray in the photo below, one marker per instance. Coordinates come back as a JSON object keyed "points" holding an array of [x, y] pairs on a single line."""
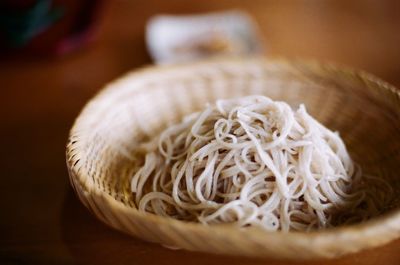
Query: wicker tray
{"points": [[136, 107]]}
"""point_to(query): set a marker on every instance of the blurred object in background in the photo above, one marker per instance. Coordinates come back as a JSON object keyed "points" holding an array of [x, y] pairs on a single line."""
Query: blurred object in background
{"points": [[46, 26], [174, 39]]}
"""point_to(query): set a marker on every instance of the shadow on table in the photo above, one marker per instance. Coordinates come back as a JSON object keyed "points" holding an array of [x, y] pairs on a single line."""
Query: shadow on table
{"points": [[92, 242]]}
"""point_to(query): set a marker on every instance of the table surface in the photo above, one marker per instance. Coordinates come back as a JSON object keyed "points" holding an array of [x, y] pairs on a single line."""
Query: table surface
{"points": [[42, 221]]}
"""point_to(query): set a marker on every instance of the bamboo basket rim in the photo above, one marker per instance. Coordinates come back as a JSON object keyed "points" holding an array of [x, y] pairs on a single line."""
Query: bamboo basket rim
{"points": [[389, 223]]}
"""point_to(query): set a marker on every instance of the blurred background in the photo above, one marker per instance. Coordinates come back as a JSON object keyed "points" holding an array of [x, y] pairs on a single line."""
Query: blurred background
{"points": [[55, 55]]}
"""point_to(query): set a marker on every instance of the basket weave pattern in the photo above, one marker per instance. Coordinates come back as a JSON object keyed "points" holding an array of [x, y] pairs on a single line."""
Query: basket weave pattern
{"points": [[101, 148]]}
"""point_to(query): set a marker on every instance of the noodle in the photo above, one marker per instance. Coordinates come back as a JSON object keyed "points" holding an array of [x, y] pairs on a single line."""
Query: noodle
{"points": [[254, 162]]}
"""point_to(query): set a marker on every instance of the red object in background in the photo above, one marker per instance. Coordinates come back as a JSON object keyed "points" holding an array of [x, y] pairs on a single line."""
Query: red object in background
{"points": [[72, 29]]}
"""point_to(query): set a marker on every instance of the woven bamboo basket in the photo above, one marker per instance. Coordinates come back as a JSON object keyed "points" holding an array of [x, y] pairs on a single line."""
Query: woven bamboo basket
{"points": [[136, 107]]}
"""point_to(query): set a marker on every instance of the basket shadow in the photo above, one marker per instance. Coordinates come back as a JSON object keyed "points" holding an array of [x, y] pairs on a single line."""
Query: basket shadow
{"points": [[89, 241]]}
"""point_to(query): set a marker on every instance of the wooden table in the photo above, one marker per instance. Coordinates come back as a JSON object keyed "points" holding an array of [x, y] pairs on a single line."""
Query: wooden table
{"points": [[42, 221]]}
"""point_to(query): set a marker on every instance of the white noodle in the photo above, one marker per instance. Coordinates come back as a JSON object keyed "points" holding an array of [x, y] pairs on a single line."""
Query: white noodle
{"points": [[254, 161]]}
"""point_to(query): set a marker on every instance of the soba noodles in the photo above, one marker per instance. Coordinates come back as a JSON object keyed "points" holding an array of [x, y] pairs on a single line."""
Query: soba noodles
{"points": [[254, 162]]}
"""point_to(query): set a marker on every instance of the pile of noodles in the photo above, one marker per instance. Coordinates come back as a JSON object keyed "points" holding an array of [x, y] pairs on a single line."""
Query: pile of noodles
{"points": [[254, 162]]}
